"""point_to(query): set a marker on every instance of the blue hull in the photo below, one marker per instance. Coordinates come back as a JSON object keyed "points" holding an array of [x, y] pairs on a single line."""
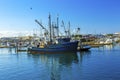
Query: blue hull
{"points": [[67, 46]]}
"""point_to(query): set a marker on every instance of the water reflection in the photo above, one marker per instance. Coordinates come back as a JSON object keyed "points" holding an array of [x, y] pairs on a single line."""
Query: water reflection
{"points": [[62, 58], [112, 47], [5, 50], [56, 62], [81, 55], [109, 47]]}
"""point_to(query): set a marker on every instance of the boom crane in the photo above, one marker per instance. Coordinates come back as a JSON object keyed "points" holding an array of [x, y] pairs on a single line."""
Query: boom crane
{"points": [[63, 25], [69, 34], [67, 31], [41, 25], [46, 31]]}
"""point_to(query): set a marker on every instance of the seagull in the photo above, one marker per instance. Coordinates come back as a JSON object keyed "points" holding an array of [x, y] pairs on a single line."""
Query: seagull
{"points": [[31, 8]]}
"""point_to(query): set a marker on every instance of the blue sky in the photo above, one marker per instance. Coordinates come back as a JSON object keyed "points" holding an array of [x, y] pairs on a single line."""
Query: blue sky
{"points": [[92, 16]]}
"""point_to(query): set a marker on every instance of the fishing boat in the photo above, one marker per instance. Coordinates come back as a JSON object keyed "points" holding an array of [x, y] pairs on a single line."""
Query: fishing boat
{"points": [[54, 44], [64, 46]]}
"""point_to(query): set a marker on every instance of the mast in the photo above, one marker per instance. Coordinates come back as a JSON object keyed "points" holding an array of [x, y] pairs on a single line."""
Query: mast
{"points": [[69, 29], [50, 27], [53, 33], [63, 25], [58, 26]]}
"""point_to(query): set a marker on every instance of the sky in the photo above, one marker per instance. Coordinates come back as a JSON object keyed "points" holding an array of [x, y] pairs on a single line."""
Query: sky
{"points": [[92, 16]]}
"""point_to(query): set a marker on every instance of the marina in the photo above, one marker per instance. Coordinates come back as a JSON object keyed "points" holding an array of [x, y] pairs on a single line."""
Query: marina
{"points": [[52, 41], [59, 40]]}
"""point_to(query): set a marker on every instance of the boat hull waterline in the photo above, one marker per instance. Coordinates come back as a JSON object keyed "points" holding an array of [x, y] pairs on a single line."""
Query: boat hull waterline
{"points": [[67, 46]]}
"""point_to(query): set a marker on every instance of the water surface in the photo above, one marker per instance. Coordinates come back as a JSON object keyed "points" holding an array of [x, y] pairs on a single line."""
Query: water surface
{"points": [[97, 64]]}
